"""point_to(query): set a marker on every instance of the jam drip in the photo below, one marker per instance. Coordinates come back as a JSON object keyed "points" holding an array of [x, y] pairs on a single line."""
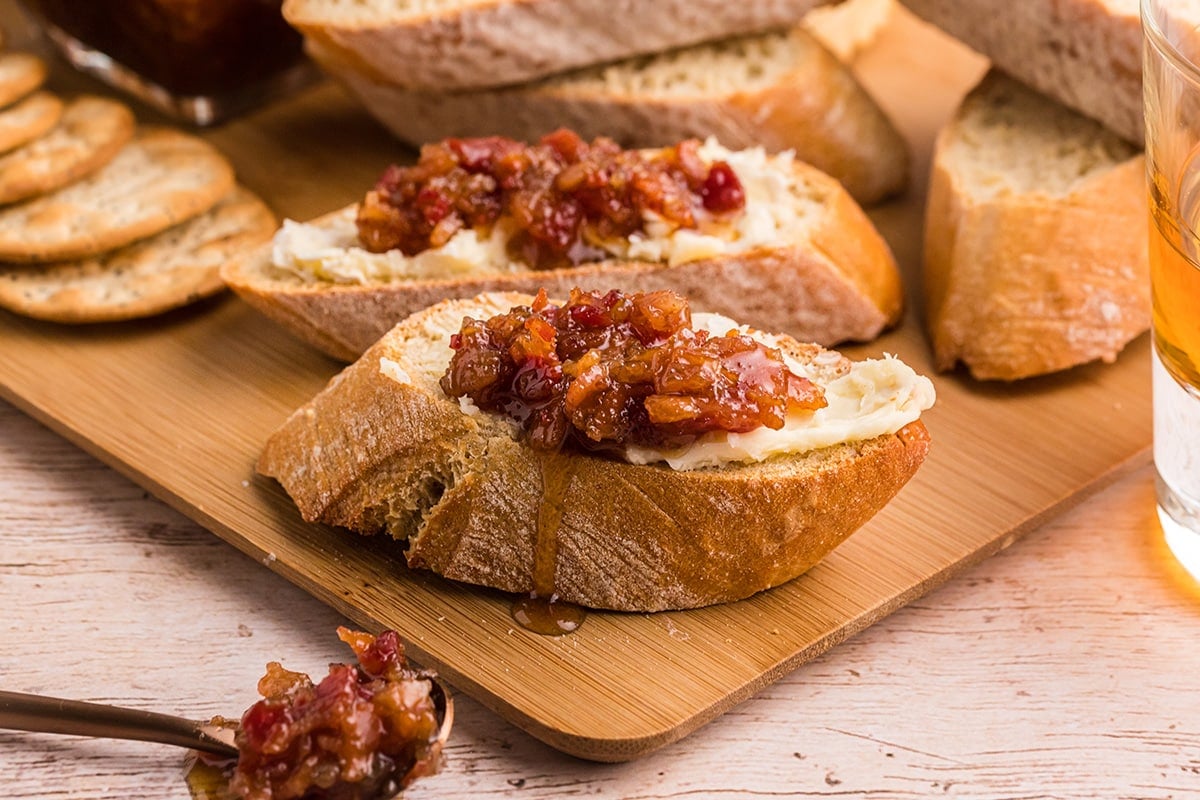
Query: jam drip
{"points": [[562, 197], [365, 731], [604, 371], [541, 611]]}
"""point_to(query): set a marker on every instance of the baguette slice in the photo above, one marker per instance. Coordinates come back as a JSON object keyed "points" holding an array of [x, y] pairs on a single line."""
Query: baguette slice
{"points": [[449, 45], [1086, 54], [382, 448], [1036, 237], [781, 90], [828, 277]]}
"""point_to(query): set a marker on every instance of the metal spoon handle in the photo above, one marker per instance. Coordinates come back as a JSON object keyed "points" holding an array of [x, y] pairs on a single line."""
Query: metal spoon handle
{"points": [[31, 712]]}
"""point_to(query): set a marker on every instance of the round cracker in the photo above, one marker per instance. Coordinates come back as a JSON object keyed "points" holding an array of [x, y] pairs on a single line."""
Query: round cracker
{"points": [[159, 179], [90, 134], [20, 74], [29, 119], [169, 270]]}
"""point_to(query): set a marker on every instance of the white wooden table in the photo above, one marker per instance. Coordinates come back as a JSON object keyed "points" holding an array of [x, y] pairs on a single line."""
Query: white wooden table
{"points": [[1064, 667]]}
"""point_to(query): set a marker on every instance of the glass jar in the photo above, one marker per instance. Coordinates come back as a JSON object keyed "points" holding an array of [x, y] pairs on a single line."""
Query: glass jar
{"points": [[198, 60]]}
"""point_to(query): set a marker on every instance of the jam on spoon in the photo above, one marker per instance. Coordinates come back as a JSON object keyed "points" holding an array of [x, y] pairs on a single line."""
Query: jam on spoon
{"points": [[364, 732]]}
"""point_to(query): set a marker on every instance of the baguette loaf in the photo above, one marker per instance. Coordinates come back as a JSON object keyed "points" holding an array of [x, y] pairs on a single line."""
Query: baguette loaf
{"points": [[780, 90], [449, 45], [1035, 237], [383, 448], [820, 272], [1084, 53]]}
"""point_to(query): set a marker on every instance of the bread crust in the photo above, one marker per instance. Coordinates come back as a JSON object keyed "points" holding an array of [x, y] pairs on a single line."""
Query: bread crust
{"points": [[838, 282], [370, 452], [1023, 284], [501, 43], [816, 109], [1084, 53]]}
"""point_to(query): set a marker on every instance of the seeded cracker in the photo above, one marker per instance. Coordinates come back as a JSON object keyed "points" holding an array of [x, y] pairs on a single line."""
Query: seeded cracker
{"points": [[29, 119], [174, 268], [160, 179], [91, 133], [20, 74]]}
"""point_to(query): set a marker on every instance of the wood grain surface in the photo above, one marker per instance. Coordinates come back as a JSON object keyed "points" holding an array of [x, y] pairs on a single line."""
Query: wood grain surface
{"points": [[182, 404]]}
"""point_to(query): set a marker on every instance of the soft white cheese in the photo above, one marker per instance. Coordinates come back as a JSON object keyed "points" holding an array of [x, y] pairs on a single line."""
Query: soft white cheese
{"points": [[329, 252], [876, 397]]}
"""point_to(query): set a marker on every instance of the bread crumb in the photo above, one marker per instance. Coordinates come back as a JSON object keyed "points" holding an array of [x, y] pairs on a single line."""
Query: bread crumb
{"points": [[392, 369]]}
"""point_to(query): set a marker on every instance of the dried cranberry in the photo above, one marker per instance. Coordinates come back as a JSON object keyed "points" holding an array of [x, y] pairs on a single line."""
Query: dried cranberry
{"points": [[722, 191]]}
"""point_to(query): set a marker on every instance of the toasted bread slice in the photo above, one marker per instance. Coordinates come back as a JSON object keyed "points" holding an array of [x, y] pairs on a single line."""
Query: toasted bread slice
{"points": [[1036, 237], [382, 448], [823, 274], [1086, 54], [450, 45], [780, 90]]}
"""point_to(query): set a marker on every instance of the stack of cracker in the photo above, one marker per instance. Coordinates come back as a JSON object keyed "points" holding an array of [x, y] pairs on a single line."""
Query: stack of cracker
{"points": [[103, 220]]}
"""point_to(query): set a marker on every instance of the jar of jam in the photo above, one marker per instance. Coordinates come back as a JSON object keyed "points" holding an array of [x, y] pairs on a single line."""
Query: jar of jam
{"points": [[198, 60]]}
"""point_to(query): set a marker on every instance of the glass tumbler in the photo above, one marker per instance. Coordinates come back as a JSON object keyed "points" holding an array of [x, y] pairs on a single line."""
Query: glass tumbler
{"points": [[1171, 83]]}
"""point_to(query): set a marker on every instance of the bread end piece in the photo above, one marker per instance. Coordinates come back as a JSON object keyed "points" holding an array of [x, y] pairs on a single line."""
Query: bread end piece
{"points": [[390, 452], [1035, 237]]}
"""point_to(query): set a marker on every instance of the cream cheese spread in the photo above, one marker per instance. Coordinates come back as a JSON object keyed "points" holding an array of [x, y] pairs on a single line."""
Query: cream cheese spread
{"points": [[876, 397]]}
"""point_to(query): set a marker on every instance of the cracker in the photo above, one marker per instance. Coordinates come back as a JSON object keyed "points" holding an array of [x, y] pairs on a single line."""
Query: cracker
{"points": [[29, 119], [90, 134], [173, 268], [159, 179], [20, 74]]}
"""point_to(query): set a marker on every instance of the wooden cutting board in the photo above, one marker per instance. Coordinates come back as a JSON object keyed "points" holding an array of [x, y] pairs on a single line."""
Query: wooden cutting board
{"points": [[182, 404]]}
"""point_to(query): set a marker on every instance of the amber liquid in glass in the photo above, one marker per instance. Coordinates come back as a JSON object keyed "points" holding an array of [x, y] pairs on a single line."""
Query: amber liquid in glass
{"points": [[1175, 281], [1175, 278]]}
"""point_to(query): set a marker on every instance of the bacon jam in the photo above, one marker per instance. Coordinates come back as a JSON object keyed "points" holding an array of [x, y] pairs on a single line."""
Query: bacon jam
{"points": [[562, 197], [609, 370], [365, 731]]}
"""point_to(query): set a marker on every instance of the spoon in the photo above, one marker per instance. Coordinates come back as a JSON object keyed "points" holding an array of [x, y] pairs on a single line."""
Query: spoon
{"points": [[32, 712]]}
